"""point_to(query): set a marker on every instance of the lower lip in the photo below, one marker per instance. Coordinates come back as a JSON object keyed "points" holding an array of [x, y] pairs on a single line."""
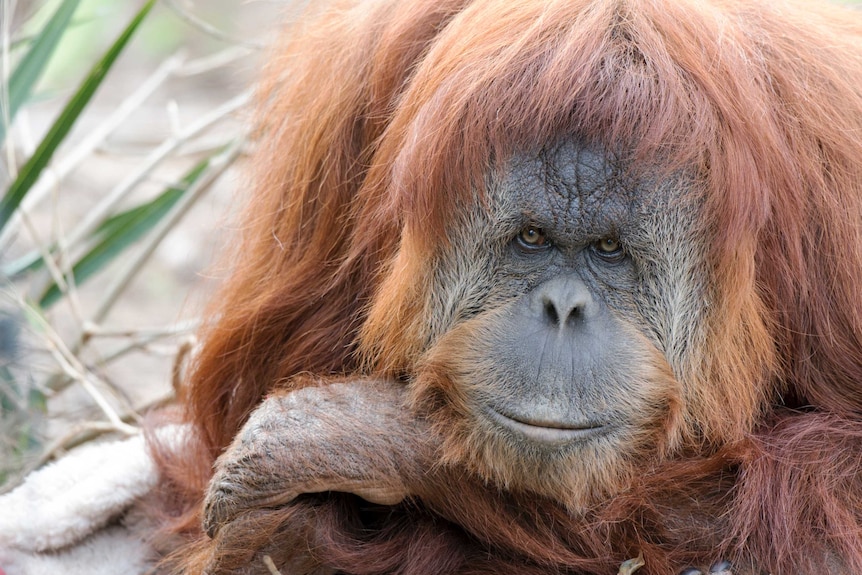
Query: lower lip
{"points": [[552, 434]]}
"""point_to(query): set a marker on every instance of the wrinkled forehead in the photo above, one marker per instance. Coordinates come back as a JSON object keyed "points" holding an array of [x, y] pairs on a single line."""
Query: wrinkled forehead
{"points": [[569, 182]]}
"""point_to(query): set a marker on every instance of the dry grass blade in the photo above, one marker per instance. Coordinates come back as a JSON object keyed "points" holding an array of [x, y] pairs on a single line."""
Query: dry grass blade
{"points": [[84, 367]]}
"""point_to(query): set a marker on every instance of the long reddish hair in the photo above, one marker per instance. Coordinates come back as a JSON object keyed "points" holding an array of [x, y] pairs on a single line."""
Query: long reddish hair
{"points": [[380, 120]]}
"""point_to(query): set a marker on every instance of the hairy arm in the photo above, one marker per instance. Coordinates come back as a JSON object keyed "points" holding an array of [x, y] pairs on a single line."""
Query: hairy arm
{"points": [[353, 436]]}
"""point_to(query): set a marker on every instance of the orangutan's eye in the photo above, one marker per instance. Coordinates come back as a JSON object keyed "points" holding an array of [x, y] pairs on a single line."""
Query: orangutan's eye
{"points": [[532, 238], [609, 249]]}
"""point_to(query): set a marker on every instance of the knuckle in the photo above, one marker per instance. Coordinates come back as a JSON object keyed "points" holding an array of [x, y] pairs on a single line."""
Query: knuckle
{"points": [[219, 507]]}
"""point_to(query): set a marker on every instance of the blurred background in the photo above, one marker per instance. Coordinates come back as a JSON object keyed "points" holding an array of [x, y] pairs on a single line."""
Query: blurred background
{"points": [[123, 135]]}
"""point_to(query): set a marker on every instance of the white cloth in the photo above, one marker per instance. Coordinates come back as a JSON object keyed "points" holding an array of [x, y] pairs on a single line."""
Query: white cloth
{"points": [[73, 516]]}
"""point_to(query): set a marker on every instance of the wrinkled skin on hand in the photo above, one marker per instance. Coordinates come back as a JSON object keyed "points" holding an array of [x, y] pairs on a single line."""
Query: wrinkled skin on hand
{"points": [[354, 437]]}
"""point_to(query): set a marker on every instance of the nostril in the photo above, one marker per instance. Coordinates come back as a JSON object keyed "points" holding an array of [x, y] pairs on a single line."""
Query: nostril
{"points": [[560, 317], [551, 312], [574, 315], [563, 303]]}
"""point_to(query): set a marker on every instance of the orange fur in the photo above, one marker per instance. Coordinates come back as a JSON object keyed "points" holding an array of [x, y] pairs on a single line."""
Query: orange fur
{"points": [[380, 121]]}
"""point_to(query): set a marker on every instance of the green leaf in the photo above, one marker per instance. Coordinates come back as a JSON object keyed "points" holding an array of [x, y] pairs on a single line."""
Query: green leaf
{"points": [[56, 134], [27, 263], [21, 42], [122, 230], [30, 68], [37, 402]]}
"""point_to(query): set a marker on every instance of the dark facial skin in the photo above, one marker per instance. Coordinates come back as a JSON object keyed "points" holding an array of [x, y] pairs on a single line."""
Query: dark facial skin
{"points": [[556, 377], [558, 342]]}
